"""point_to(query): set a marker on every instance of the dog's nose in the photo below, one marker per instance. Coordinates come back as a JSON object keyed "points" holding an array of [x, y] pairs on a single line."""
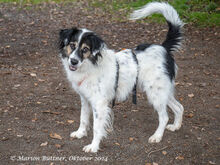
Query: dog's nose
{"points": [[74, 61]]}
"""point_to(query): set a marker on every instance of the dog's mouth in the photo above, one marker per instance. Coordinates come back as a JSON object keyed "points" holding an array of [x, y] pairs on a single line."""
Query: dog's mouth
{"points": [[72, 68]]}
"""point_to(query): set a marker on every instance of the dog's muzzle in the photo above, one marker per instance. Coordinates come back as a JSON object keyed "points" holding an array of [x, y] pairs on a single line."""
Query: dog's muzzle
{"points": [[73, 64]]}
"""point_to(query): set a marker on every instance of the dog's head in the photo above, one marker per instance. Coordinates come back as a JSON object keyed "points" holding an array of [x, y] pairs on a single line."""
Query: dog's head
{"points": [[80, 47]]}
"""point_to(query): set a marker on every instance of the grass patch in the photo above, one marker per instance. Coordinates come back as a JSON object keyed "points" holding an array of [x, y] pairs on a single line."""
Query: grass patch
{"points": [[30, 1], [197, 12]]}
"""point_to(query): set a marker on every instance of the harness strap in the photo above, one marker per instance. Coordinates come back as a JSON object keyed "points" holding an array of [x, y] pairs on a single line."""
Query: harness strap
{"points": [[134, 91], [116, 82]]}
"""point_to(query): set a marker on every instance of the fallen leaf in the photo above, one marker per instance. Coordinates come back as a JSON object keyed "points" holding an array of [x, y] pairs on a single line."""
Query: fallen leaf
{"points": [[20, 135], [34, 119], [180, 157], [58, 145], [70, 121], [190, 115], [5, 138], [189, 84], [154, 163], [60, 122], [117, 144], [33, 74], [48, 111], [55, 136], [148, 164], [43, 144], [38, 102], [164, 152], [131, 139], [124, 116], [41, 80], [191, 95], [211, 162], [17, 85]]}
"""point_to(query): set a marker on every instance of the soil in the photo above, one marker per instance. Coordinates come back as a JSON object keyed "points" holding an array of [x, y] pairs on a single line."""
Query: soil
{"points": [[38, 108]]}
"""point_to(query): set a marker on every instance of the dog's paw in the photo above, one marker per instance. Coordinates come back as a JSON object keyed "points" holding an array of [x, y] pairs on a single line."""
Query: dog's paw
{"points": [[91, 148], [154, 139], [78, 134], [173, 127]]}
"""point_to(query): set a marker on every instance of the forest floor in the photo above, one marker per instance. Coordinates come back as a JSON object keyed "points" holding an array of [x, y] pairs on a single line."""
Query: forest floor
{"points": [[38, 108]]}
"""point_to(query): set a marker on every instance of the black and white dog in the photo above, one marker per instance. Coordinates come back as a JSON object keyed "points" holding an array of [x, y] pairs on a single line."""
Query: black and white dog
{"points": [[100, 75]]}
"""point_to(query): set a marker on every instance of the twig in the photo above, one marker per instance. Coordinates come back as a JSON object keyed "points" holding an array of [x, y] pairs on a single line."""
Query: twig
{"points": [[156, 151]]}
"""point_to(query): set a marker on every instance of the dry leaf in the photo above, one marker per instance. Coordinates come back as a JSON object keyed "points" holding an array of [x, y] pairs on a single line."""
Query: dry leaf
{"points": [[190, 115], [41, 80], [20, 135], [55, 136], [131, 139], [124, 116], [154, 163], [164, 152], [117, 144], [70, 121], [148, 164], [211, 162], [60, 122], [33, 120], [33, 74], [191, 95], [180, 157], [58, 145], [48, 111], [43, 144]]}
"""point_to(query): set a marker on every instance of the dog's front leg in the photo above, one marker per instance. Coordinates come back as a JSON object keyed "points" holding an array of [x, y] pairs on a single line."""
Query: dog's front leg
{"points": [[102, 124], [84, 120]]}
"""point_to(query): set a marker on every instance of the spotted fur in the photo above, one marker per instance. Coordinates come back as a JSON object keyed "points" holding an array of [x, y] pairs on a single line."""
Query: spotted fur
{"points": [[91, 68]]}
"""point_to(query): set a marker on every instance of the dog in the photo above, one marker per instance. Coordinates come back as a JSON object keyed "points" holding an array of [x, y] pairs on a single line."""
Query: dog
{"points": [[100, 75]]}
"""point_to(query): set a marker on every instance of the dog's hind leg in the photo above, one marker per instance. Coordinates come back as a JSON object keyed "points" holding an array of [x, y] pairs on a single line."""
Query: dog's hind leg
{"points": [[102, 123], [157, 94], [177, 109], [84, 120]]}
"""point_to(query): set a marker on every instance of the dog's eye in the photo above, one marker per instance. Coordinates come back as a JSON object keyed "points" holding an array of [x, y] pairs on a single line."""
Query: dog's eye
{"points": [[85, 50], [73, 46]]}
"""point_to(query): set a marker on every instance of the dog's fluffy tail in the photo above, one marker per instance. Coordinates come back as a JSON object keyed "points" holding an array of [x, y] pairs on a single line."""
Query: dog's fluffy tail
{"points": [[174, 35]]}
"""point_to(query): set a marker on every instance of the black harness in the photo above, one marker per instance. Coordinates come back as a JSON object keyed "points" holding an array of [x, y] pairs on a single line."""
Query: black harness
{"points": [[134, 91], [116, 82]]}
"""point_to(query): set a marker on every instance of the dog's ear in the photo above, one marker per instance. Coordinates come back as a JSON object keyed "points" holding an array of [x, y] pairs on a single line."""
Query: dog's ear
{"points": [[96, 44], [65, 36]]}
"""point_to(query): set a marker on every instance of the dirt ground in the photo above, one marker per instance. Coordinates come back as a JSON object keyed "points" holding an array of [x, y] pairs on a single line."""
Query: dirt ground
{"points": [[38, 109]]}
